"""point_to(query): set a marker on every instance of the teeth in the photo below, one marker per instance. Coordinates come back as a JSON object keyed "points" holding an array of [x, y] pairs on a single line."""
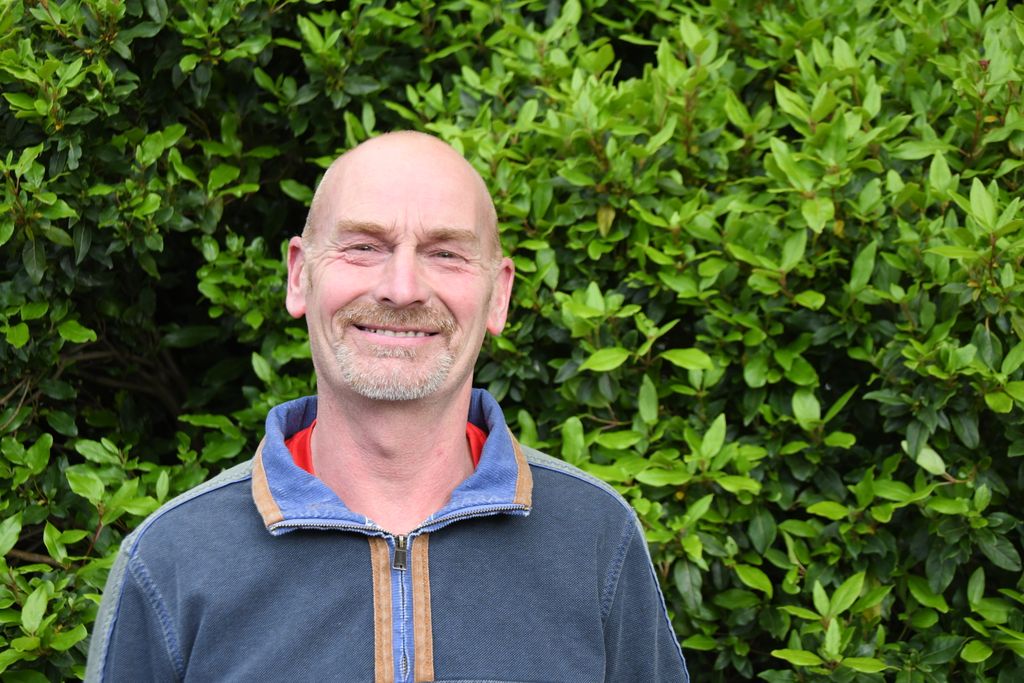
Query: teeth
{"points": [[392, 333]]}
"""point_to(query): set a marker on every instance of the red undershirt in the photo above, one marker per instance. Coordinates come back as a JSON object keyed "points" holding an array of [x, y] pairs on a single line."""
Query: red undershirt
{"points": [[302, 454]]}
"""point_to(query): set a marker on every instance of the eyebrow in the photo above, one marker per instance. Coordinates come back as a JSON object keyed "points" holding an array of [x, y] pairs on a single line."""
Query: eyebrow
{"points": [[384, 232]]}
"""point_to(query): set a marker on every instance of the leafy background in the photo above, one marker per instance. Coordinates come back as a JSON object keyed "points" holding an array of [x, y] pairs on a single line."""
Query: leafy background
{"points": [[769, 286]]}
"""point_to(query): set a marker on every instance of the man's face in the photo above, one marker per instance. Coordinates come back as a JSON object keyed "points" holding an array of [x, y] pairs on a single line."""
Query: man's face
{"points": [[399, 279]]}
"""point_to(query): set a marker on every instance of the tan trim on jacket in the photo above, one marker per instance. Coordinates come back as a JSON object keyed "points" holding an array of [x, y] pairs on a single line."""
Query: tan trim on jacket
{"points": [[524, 480], [423, 629], [383, 655], [264, 499]]}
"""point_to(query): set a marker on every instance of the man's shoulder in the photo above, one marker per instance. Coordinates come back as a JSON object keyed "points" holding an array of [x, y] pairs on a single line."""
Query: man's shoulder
{"points": [[568, 481], [207, 504]]}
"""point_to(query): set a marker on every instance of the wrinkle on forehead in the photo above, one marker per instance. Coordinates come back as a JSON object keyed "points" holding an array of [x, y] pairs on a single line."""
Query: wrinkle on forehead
{"points": [[402, 151]]}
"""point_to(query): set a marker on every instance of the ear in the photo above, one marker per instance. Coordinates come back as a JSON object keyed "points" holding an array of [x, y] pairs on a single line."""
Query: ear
{"points": [[295, 298], [500, 296]]}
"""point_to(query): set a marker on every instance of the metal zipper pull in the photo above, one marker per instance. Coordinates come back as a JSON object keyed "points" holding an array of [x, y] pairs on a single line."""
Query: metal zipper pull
{"points": [[401, 552]]}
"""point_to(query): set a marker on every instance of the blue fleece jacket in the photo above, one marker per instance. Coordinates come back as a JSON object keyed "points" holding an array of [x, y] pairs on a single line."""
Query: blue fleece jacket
{"points": [[534, 571]]}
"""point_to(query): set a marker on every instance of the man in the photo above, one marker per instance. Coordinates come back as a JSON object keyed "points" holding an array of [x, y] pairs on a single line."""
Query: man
{"points": [[391, 528]]}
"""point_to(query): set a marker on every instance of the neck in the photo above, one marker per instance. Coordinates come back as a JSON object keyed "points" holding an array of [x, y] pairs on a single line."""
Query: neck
{"points": [[397, 463]]}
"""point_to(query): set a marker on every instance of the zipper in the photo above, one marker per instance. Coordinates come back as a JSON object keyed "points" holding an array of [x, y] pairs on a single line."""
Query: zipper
{"points": [[401, 553], [453, 517], [366, 529]]}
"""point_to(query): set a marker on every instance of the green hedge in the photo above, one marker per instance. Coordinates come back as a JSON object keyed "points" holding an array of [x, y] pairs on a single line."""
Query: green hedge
{"points": [[769, 285]]}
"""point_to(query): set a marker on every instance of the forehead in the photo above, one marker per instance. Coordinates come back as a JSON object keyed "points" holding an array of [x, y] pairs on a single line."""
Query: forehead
{"points": [[408, 188]]}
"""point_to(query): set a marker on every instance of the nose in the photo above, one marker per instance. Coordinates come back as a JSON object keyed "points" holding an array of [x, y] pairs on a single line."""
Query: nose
{"points": [[401, 280]]}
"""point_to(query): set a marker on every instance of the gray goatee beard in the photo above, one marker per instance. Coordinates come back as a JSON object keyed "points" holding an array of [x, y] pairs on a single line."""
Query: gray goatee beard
{"points": [[394, 381]]}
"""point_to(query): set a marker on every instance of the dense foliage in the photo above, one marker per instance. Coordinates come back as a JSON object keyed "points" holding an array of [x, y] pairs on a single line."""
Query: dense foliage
{"points": [[769, 285]]}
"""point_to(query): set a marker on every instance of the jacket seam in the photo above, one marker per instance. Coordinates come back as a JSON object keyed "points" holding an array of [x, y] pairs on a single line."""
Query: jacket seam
{"points": [[156, 602], [234, 475], [611, 583], [537, 459]]}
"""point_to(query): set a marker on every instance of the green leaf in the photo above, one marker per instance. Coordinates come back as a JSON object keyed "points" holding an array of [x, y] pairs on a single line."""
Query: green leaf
{"points": [[923, 594], [868, 665], [939, 177], [1015, 390], [840, 403], [817, 212], [85, 483], [573, 442], [930, 461], [618, 440], [830, 510], [33, 257], [793, 250], [20, 100], [297, 191], [51, 539], [847, 594], [82, 237], [605, 360], [576, 177], [689, 359], [820, 597], [999, 402], [76, 333], [64, 640], [714, 438], [661, 477], [801, 612], [832, 643], [221, 175], [38, 456], [976, 587], [688, 582], [1000, 550], [806, 408], [949, 506], [1013, 360], [262, 368], [33, 610], [734, 483], [797, 176], [951, 251], [810, 299], [791, 103], [17, 335], [762, 530], [102, 453], [863, 267], [700, 642], [798, 657], [840, 440], [647, 401], [754, 578], [983, 207], [10, 530], [975, 651], [699, 508]]}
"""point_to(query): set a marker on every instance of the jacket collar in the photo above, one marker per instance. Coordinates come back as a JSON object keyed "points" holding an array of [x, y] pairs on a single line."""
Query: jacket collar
{"points": [[289, 498]]}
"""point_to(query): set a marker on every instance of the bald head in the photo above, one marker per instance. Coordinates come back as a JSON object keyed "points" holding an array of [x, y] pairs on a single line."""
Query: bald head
{"points": [[411, 167]]}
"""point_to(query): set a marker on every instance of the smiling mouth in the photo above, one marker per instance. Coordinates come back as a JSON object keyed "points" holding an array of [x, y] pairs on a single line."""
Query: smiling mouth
{"points": [[395, 333]]}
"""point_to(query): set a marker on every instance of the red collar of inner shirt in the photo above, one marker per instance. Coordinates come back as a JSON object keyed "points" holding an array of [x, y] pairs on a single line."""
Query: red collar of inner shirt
{"points": [[299, 445]]}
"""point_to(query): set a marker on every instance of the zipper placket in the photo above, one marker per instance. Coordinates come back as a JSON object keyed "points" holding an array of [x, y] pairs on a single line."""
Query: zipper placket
{"points": [[401, 609], [401, 546]]}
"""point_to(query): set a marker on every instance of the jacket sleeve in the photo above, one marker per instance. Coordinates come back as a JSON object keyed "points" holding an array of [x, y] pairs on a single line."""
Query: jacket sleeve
{"points": [[640, 644], [132, 637]]}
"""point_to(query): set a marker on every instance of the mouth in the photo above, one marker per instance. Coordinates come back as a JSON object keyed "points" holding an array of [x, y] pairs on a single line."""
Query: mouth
{"points": [[384, 332]]}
